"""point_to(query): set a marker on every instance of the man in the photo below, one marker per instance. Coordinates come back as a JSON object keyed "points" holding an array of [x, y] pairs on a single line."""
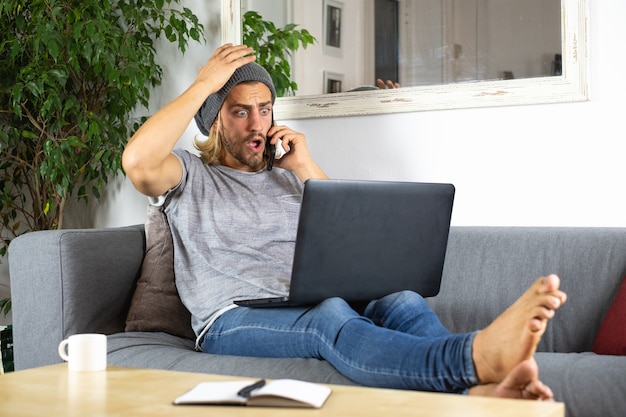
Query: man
{"points": [[233, 224]]}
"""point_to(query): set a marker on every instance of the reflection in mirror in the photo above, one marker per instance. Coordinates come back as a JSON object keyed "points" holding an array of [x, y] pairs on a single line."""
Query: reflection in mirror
{"points": [[447, 41], [419, 42], [501, 78]]}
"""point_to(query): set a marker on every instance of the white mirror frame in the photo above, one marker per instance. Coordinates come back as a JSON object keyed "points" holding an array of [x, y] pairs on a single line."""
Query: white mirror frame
{"points": [[570, 87]]}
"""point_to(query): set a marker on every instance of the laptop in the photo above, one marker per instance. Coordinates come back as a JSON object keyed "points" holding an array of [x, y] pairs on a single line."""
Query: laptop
{"points": [[362, 240]]}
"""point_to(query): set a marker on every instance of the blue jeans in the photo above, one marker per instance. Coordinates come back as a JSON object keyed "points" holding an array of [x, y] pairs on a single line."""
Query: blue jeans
{"points": [[398, 342]]}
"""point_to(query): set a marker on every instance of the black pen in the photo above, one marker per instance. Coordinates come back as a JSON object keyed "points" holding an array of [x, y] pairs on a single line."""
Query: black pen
{"points": [[247, 390]]}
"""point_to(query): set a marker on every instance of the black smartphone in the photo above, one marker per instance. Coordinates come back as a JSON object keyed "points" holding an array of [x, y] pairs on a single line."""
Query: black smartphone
{"points": [[271, 149]]}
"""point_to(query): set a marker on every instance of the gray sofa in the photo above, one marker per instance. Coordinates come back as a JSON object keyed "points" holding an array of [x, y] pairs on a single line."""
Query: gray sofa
{"points": [[73, 281]]}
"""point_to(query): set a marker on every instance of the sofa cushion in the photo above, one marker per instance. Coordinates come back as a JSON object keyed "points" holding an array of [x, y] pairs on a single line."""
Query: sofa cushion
{"points": [[588, 384], [611, 337], [156, 305], [164, 351]]}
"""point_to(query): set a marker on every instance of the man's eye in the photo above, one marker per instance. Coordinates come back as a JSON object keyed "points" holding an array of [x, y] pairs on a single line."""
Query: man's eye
{"points": [[265, 112], [241, 113]]}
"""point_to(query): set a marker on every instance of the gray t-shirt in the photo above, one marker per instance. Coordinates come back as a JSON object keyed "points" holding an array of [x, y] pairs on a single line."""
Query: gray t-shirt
{"points": [[234, 235]]}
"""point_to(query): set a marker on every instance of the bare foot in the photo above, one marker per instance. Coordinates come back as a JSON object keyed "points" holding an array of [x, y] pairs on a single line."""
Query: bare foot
{"points": [[513, 336], [521, 383]]}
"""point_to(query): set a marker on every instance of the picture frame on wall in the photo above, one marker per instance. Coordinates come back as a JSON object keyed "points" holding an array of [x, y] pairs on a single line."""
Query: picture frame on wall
{"points": [[333, 28], [333, 82]]}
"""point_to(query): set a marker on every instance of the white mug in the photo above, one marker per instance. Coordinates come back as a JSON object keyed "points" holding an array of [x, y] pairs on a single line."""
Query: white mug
{"points": [[85, 352]]}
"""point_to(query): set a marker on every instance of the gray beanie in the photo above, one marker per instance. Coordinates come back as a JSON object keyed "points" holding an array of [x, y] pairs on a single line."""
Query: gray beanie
{"points": [[212, 105]]}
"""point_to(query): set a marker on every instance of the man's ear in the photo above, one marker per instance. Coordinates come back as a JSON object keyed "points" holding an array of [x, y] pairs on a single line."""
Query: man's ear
{"points": [[216, 124]]}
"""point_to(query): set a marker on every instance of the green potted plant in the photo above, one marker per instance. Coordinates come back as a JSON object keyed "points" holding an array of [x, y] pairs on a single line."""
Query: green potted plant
{"points": [[71, 73], [274, 47], [5, 306]]}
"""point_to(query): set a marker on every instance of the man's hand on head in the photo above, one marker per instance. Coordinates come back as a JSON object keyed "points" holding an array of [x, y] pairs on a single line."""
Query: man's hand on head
{"points": [[221, 66]]}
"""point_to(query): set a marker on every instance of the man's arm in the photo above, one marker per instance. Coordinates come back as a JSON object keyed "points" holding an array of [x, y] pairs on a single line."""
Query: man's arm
{"points": [[148, 160]]}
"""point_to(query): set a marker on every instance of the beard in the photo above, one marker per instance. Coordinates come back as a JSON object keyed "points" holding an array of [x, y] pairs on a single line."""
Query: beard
{"points": [[239, 150]]}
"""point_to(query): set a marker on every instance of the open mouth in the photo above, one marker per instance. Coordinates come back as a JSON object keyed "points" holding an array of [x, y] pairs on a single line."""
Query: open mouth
{"points": [[256, 144]]}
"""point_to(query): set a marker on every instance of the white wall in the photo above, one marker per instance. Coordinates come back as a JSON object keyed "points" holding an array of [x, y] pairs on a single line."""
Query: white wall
{"points": [[553, 165]]}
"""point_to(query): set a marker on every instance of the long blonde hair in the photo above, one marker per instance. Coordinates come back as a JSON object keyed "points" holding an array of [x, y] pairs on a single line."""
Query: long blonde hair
{"points": [[210, 148]]}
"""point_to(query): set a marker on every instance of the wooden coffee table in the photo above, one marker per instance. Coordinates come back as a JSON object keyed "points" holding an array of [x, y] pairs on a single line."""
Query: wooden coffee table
{"points": [[53, 391]]}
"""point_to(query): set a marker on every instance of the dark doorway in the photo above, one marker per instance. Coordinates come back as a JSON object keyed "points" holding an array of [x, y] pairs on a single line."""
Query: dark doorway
{"points": [[386, 32]]}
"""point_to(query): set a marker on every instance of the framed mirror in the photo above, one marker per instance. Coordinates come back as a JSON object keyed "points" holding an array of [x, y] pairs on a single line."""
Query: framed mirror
{"points": [[570, 86]]}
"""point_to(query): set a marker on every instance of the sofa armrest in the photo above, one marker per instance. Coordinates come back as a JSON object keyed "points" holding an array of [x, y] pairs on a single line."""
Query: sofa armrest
{"points": [[65, 282]]}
